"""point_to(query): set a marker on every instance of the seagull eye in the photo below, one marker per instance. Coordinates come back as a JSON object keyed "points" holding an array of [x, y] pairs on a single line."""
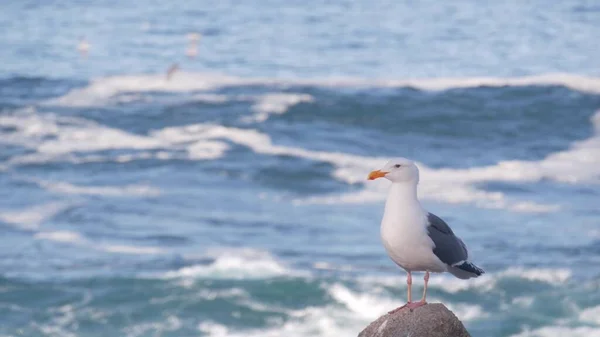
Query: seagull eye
{"points": [[397, 166]]}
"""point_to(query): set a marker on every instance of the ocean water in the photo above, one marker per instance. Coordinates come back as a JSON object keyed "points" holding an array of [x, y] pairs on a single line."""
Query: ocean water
{"points": [[232, 200]]}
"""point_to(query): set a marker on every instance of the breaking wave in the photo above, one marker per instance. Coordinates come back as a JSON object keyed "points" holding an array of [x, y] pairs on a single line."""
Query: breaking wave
{"points": [[100, 91]]}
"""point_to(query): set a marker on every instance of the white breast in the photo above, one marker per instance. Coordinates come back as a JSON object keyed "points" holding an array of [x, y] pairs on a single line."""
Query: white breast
{"points": [[404, 235]]}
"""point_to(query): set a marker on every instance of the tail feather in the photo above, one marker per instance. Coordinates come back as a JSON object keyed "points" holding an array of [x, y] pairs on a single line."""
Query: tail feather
{"points": [[465, 270]]}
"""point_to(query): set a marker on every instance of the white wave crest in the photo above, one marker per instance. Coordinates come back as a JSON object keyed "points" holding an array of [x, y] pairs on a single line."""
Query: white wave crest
{"points": [[370, 305], [577, 164], [223, 293], [572, 81], [127, 190], [127, 249], [580, 163], [77, 239], [275, 103], [326, 321], [356, 311], [100, 90], [485, 283], [590, 315], [206, 150], [60, 138], [586, 316], [558, 330], [467, 311], [522, 301], [167, 325], [56, 138], [551, 276], [30, 218], [53, 136], [236, 264], [61, 236], [364, 304]]}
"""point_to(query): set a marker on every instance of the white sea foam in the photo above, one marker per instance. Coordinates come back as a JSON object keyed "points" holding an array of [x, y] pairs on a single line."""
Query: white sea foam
{"points": [[572, 81], [213, 329], [275, 103], [157, 328], [206, 150], [551, 276], [312, 321], [127, 249], [485, 283], [488, 281], [467, 312], [586, 316], [95, 138], [100, 90], [259, 143], [576, 165], [369, 305], [328, 266], [590, 315], [210, 98], [127, 190], [523, 301], [352, 311], [54, 330], [444, 282], [235, 263], [61, 236], [580, 163], [60, 138], [75, 238], [63, 319], [55, 137], [210, 295], [30, 218], [363, 304], [575, 82], [453, 285], [558, 330]]}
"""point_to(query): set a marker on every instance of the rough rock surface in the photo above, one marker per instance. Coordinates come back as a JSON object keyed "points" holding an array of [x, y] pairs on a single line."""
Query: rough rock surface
{"points": [[431, 320]]}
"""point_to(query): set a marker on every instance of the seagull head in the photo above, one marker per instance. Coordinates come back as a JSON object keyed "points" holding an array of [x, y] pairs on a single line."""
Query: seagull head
{"points": [[397, 170]]}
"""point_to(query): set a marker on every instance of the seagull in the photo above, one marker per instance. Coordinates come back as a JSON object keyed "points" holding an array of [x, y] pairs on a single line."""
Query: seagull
{"points": [[83, 46], [194, 37], [192, 49], [415, 239], [172, 70]]}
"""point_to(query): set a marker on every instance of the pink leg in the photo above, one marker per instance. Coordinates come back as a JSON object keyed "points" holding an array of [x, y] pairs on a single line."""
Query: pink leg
{"points": [[426, 279], [422, 301], [408, 291], [409, 287]]}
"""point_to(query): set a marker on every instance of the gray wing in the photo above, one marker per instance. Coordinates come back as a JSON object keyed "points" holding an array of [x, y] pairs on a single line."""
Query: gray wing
{"points": [[448, 248]]}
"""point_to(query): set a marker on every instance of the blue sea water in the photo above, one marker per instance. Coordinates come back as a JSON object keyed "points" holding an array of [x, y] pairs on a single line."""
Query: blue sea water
{"points": [[232, 200]]}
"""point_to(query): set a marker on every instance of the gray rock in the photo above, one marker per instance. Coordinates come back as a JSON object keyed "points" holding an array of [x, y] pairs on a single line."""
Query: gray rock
{"points": [[431, 320]]}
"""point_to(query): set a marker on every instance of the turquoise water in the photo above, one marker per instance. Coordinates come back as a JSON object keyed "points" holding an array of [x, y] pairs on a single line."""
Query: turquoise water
{"points": [[232, 200]]}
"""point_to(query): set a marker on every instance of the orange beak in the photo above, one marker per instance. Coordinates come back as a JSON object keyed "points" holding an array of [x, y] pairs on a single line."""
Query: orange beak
{"points": [[377, 174]]}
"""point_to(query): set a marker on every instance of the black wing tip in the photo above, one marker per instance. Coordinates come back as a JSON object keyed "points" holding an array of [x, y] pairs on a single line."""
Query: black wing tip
{"points": [[470, 268]]}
